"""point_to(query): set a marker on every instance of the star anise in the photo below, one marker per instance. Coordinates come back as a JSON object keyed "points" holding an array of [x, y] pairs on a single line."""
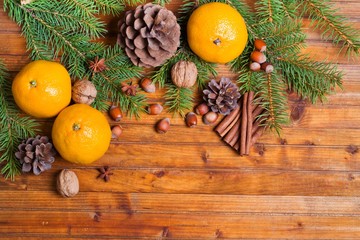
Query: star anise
{"points": [[105, 173], [129, 89], [98, 65]]}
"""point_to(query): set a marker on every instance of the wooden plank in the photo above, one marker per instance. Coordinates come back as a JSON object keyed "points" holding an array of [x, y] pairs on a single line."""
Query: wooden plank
{"points": [[183, 226], [180, 203], [243, 182]]}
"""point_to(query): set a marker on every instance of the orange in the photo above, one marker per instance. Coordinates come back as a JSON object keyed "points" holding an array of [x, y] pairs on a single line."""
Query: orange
{"points": [[81, 134], [216, 32], [42, 88]]}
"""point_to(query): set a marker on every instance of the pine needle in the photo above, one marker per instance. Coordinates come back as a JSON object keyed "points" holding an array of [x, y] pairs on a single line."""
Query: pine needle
{"points": [[179, 100], [13, 127], [333, 26]]}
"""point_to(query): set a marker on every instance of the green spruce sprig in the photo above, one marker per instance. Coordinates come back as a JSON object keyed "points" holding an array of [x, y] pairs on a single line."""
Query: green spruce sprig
{"points": [[13, 127], [281, 29], [65, 30], [59, 29], [108, 82], [334, 27], [161, 2], [178, 100]]}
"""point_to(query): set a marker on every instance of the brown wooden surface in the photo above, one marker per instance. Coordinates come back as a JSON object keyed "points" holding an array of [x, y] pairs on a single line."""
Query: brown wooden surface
{"points": [[187, 184]]}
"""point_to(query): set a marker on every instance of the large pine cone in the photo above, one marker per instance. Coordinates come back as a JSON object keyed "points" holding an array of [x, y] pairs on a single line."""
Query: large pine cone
{"points": [[37, 154], [221, 97], [150, 35]]}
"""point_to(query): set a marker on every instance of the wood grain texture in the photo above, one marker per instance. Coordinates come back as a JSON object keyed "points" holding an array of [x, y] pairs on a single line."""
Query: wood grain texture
{"points": [[188, 184]]}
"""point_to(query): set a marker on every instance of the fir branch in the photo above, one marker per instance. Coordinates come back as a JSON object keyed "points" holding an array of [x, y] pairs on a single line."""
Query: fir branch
{"points": [[59, 29], [179, 100], [108, 82], [309, 78], [275, 11], [161, 75], [133, 2], [13, 128], [161, 2], [271, 95], [113, 7], [334, 26]]}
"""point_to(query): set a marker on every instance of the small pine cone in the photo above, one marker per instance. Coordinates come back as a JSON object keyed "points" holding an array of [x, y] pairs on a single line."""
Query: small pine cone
{"points": [[221, 97], [150, 35], [36, 154]]}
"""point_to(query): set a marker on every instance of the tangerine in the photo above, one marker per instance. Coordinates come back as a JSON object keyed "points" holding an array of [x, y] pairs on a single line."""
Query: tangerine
{"points": [[81, 134], [216, 32], [42, 88]]}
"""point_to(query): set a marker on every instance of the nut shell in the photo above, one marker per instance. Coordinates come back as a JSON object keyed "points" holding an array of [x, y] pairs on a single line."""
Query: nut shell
{"points": [[184, 74], [67, 183], [115, 113], [258, 57], [163, 125], [155, 109], [210, 118], [191, 119], [147, 85], [83, 91]]}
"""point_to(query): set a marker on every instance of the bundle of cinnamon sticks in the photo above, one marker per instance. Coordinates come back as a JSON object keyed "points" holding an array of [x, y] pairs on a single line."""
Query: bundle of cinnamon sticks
{"points": [[242, 127]]}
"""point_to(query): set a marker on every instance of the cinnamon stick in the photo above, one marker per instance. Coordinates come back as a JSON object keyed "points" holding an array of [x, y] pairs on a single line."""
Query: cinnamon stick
{"points": [[257, 110], [236, 136], [249, 122], [228, 122], [257, 123], [243, 126], [257, 134]]}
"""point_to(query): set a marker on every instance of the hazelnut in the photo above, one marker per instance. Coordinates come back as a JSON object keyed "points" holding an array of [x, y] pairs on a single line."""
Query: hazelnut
{"points": [[163, 125], [267, 67], [260, 45], [210, 118], [116, 131], [83, 91], [147, 85], [258, 57], [255, 66], [191, 119], [67, 183], [155, 109], [115, 113], [184, 74], [202, 109]]}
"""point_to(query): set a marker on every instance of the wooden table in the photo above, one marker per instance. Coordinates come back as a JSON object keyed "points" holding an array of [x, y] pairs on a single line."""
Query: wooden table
{"points": [[188, 184]]}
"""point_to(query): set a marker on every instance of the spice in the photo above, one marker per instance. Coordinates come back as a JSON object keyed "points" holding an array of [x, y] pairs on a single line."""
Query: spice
{"points": [[243, 126], [129, 89], [105, 173], [98, 65]]}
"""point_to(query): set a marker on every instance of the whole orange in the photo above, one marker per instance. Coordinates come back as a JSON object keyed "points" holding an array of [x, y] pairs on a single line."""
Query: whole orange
{"points": [[216, 32], [42, 88], [81, 134]]}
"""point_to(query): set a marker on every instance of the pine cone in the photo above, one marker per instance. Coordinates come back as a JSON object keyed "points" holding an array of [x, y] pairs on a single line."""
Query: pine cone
{"points": [[222, 97], [37, 154], [150, 35]]}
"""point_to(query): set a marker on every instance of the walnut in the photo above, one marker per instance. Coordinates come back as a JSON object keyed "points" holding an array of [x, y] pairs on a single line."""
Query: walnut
{"points": [[84, 91], [67, 183], [184, 74]]}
